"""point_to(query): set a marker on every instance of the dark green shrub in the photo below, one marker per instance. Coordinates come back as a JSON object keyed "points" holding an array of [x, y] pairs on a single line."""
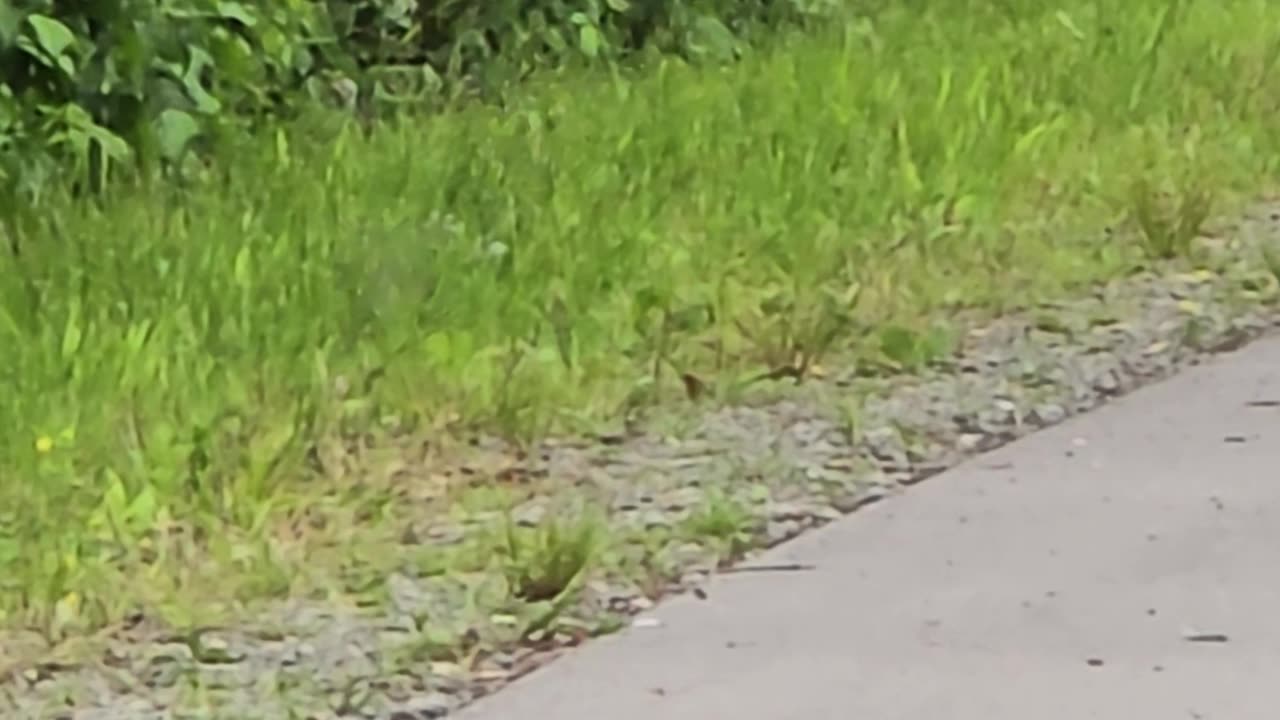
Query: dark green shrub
{"points": [[89, 87]]}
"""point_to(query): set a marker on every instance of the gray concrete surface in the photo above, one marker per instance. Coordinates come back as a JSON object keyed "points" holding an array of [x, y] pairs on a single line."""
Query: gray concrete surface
{"points": [[1057, 578]]}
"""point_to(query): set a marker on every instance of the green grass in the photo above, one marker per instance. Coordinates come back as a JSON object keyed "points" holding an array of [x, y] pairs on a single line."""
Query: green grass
{"points": [[725, 524], [196, 391]]}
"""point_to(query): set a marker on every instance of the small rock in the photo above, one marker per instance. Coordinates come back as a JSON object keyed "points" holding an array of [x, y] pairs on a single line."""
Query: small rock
{"points": [[1108, 383], [827, 513], [289, 656], [780, 531], [503, 660], [885, 443], [853, 501], [305, 650], [443, 668], [445, 534], [426, 707], [656, 520], [530, 514], [1002, 414], [789, 511], [694, 578], [626, 504], [693, 554], [406, 596], [161, 674], [227, 677], [1048, 414], [898, 462], [682, 499]]}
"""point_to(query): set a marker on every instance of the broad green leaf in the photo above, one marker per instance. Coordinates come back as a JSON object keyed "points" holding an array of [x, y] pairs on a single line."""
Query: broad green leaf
{"points": [[83, 129], [10, 23], [712, 37], [142, 511], [52, 40], [589, 40], [199, 60], [238, 12], [113, 146], [175, 130], [899, 345], [53, 37]]}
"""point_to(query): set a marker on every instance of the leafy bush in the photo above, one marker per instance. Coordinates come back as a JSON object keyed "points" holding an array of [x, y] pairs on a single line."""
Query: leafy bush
{"points": [[95, 85], [461, 34]]}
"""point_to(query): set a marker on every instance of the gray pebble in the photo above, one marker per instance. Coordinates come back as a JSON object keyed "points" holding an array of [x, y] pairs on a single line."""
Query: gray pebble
{"points": [[783, 511], [425, 707], [780, 531], [1048, 414], [682, 499], [530, 514], [657, 519]]}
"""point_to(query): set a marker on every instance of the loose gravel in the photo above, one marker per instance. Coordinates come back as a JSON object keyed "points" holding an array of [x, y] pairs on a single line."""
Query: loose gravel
{"points": [[733, 480]]}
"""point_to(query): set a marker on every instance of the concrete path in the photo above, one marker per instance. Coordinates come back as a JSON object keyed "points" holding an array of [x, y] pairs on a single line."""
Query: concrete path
{"points": [[1063, 577]]}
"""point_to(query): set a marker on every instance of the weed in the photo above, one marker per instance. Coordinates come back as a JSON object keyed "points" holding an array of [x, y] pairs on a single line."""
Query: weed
{"points": [[908, 350], [1271, 259], [852, 422], [1170, 222], [547, 562], [725, 522]]}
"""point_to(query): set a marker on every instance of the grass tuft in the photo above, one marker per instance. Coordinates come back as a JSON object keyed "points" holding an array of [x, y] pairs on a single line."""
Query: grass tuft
{"points": [[544, 563]]}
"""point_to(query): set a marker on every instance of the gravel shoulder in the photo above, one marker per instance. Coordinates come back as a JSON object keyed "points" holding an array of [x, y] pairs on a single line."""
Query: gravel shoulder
{"points": [[677, 501], [1117, 567]]}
